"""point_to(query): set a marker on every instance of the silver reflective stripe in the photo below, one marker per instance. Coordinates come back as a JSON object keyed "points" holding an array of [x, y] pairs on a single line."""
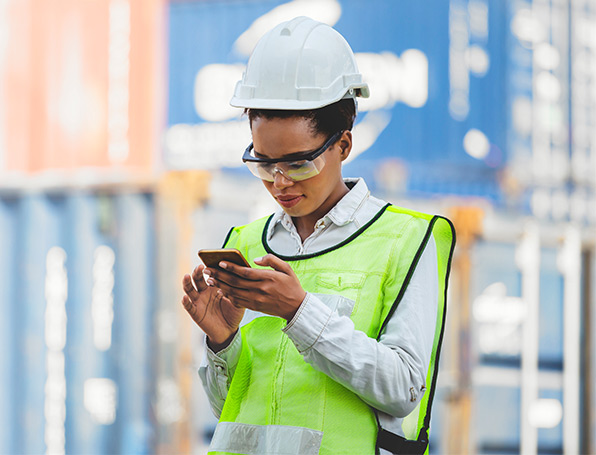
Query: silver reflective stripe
{"points": [[265, 439]]}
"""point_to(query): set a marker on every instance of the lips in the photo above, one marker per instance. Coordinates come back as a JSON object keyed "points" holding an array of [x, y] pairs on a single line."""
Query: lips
{"points": [[289, 200]]}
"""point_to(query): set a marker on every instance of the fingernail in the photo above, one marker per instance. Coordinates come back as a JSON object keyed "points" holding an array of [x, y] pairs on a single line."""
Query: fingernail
{"points": [[258, 259], [210, 282], [223, 265], [207, 272]]}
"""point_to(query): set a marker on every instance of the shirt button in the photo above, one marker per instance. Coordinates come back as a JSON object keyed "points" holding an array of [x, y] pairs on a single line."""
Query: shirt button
{"points": [[413, 394]]}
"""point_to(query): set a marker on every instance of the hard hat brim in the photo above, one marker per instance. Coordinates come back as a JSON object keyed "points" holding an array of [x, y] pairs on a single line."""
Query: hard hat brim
{"points": [[361, 91]]}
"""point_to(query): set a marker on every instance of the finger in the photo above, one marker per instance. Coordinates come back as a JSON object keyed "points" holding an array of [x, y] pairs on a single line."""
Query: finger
{"points": [[244, 272], [234, 293], [270, 260], [188, 287], [193, 309], [223, 300], [188, 305], [197, 278], [221, 276], [227, 301]]}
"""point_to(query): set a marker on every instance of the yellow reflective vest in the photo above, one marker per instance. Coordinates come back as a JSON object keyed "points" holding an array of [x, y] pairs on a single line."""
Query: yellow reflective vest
{"points": [[278, 403]]}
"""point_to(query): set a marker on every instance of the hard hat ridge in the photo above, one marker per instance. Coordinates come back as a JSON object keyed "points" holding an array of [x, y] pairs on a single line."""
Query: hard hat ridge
{"points": [[300, 64], [290, 26]]}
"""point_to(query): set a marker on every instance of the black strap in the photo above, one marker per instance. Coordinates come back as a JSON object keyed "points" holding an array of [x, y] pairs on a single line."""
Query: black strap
{"points": [[386, 440], [399, 445]]}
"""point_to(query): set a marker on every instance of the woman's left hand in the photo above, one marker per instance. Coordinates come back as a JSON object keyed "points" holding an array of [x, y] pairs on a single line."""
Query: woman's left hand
{"points": [[277, 292]]}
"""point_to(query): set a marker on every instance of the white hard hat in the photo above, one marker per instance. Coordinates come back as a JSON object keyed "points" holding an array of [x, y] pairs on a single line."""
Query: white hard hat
{"points": [[299, 64]]}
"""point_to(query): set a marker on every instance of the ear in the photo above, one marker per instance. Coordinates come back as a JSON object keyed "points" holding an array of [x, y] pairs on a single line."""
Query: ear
{"points": [[345, 144]]}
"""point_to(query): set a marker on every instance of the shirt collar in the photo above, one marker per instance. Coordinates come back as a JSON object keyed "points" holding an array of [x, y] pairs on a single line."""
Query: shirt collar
{"points": [[341, 214]]}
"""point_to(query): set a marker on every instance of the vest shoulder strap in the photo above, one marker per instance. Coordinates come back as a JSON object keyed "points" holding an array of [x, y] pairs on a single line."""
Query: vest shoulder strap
{"points": [[444, 234], [253, 229]]}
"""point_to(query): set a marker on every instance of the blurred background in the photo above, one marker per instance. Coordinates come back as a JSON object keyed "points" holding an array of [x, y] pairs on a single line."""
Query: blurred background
{"points": [[120, 158]]}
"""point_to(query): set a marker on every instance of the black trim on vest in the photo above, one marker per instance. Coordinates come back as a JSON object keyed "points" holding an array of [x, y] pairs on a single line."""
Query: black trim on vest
{"points": [[440, 342], [413, 265], [392, 442], [228, 236], [400, 445], [319, 253]]}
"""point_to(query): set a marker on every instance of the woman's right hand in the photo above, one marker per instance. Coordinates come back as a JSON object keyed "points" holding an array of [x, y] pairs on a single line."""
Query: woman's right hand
{"points": [[214, 313]]}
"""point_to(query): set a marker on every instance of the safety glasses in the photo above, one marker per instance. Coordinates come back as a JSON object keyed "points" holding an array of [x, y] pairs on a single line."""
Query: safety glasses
{"points": [[295, 167]]}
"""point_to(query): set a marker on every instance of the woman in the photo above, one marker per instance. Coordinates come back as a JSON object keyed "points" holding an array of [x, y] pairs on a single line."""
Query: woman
{"points": [[327, 342]]}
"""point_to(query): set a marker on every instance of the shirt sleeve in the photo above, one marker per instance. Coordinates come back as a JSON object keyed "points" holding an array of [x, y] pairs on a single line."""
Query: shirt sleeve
{"points": [[217, 370], [388, 374]]}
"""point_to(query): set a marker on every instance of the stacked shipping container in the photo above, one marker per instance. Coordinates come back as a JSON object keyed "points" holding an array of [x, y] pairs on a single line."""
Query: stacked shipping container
{"points": [[80, 84], [80, 120], [78, 295]]}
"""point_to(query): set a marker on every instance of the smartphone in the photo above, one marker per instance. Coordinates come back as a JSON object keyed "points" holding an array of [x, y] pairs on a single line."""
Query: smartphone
{"points": [[212, 258]]}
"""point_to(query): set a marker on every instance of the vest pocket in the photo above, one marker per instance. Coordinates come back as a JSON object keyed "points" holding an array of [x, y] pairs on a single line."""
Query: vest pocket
{"points": [[347, 285]]}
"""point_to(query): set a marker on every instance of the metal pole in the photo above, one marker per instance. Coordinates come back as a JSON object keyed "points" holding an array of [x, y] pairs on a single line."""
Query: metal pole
{"points": [[569, 262], [528, 261]]}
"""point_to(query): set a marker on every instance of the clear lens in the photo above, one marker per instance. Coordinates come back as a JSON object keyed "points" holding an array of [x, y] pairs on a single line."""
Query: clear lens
{"points": [[302, 170], [261, 170], [292, 170]]}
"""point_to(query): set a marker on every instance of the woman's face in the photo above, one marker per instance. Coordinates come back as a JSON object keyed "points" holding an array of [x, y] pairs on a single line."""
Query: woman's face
{"points": [[313, 197]]}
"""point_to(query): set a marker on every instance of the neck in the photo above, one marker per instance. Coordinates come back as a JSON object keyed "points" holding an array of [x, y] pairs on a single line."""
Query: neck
{"points": [[305, 225]]}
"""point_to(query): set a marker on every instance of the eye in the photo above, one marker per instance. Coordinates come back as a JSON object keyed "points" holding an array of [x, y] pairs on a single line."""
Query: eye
{"points": [[296, 164]]}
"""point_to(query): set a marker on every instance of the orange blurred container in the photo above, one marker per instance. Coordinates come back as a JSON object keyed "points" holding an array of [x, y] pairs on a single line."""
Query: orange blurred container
{"points": [[81, 84]]}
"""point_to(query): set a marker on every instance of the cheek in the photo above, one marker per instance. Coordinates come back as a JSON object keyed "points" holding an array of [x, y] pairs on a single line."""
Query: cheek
{"points": [[333, 165], [329, 175]]}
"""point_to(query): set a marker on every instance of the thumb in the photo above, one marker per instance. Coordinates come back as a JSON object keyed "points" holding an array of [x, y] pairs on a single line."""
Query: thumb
{"points": [[275, 263]]}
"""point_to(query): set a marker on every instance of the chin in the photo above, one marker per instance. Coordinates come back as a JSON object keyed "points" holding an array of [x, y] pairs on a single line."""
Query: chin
{"points": [[293, 211], [297, 211]]}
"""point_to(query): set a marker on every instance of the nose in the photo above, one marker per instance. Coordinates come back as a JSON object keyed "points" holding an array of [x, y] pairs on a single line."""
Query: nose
{"points": [[281, 181]]}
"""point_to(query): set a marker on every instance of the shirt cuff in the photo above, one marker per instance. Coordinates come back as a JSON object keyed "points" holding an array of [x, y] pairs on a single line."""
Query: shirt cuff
{"points": [[224, 361], [308, 323]]}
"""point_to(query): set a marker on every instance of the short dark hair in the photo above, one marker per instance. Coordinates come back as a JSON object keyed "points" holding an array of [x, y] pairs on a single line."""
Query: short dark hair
{"points": [[326, 120]]}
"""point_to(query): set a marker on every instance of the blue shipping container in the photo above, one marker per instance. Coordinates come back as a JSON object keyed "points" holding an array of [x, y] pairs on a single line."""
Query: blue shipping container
{"points": [[437, 72], [77, 294]]}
